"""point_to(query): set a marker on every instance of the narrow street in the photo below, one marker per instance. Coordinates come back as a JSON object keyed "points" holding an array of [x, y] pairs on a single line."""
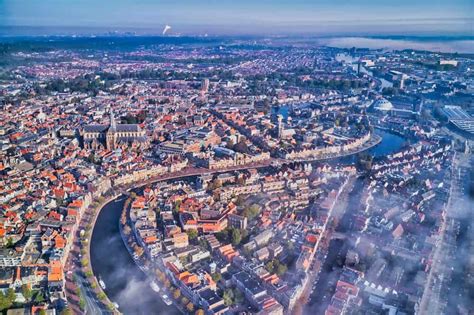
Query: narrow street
{"points": [[444, 262], [325, 252]]}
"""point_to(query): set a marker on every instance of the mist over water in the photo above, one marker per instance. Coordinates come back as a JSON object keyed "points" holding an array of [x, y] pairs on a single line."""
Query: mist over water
{"points": [[448, 46], [126, 284]]}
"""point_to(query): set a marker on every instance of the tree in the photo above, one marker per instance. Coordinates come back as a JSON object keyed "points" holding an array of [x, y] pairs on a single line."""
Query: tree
{"points": [[216, 276], [177, 205], [190, 307], [269, 266], [251, 212], [84, 262], [10, 243], [27, 292], [274, 266], [242, 147], [39, 298], [215, 184], [82, 303], [203, 243], [228, 297], [176, 294], [101, 296], [192, 234], [236, 236], [6, 301], [11, 296], [66, 311], [240, 200], [281, 269], [240, 180], [184, 300]]}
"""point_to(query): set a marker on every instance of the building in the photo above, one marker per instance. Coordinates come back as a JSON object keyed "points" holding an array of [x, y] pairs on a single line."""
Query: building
{"points": [[279, 126], [112, 135], [205, 85], [9, 258], [460, 120], [237, 221]]}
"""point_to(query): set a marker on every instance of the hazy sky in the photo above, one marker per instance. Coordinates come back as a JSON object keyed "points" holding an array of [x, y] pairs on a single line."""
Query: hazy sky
{"points": [[247, 16]]}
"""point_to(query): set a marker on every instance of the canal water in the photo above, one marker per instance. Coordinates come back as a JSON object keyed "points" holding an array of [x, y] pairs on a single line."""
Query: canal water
{"points": [[391, 143], [125, 283], [354, 60]]}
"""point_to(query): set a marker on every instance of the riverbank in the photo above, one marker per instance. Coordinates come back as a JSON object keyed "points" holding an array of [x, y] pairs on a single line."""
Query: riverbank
{"points": [[126, 284], [152, 270], [111, 260], [372, 142], [94, 300]]}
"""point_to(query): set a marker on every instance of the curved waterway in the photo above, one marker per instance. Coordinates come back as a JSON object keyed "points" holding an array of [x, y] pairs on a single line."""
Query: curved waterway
{"points": [[390, 144], [125, 283]]}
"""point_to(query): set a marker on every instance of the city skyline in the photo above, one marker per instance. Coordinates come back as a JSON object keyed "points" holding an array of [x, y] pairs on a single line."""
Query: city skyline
{"points": [[227, 18]]}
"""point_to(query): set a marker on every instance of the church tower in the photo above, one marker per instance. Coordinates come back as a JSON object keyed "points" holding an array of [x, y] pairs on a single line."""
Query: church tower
{"points": [[111, 137], [279, 126]]}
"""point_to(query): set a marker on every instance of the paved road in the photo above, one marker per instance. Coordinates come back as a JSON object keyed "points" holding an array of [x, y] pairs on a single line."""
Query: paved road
{"points": [[93, 306], [433, 301], [335, 215]]}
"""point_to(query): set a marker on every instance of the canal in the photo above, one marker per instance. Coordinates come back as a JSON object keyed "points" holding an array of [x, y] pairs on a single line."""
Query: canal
{"points": [[390, 144], [125, 283]]}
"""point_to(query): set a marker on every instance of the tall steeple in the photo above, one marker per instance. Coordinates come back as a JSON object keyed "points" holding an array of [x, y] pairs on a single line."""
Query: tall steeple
{"points": [[113, 124], [111, 136]]}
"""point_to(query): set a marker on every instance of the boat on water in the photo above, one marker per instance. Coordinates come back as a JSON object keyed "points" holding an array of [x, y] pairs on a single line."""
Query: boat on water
{"points": [[102, 283], [167, 300], [154, 286]]}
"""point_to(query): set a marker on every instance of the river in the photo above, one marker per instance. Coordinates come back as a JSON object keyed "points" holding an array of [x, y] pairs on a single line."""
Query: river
{"points": [[125, 283], [346, 58], [390, 143]]}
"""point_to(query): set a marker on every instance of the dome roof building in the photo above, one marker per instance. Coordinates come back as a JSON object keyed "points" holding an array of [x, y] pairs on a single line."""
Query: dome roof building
{"points": [[383, 105]]}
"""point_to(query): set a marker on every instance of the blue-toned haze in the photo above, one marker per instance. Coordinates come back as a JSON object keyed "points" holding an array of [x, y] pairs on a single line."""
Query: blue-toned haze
{"points": [[243, 17]]}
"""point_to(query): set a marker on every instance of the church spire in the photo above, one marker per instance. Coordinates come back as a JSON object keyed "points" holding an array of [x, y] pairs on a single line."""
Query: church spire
{"points": [[113, 124]]}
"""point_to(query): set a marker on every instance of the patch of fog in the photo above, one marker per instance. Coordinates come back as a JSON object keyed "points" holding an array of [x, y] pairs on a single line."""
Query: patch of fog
{"points": [[451, 46], [133, 292]]}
